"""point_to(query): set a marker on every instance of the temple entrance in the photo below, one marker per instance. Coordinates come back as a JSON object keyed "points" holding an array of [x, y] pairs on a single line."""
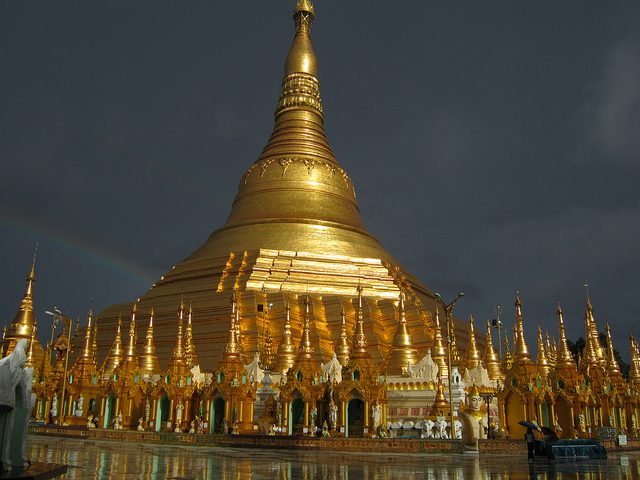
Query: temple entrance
{"points": [[355, 418], [162, 412], [514, 412], [216, 415], [296, 417], [564, 414], [109, 408], [546, 414]]}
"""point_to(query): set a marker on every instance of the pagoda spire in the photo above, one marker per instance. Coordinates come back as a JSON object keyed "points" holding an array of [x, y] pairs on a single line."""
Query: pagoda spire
{"points": [[149, 363], [472, 357], [507, 361], [359, 337], [439, 352], [550, 348], [131, 355], [564, 360], [115, 355], [634, 371], [190, 347], [342, 350], [24, 320], [544, 368], [286, 349], [87, 351], [403, 352], [521, 351], [31, 361], [94, 340], [231, 349], [612, 364], [178, 351], [592, 331], [491, 359], [306, 348]]}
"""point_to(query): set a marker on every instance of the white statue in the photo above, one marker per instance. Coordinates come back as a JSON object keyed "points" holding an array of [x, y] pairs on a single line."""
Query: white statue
{"points": [[16, 404], [254, 372], [377, 415], [54, 407], [441, 428], [427, 428], [79, 406], [425, 369], [332, 370], [333, 414], [457, 430]]}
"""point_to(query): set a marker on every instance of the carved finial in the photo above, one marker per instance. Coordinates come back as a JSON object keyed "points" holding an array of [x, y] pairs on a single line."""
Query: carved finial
{"points": [[286, 350], [472, 357], [306, 348], [343, 350], [439, 351]]}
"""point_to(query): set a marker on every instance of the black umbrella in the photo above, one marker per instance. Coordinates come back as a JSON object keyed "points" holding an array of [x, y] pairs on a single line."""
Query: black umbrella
{"points": [[551, 435], [528, 424]]}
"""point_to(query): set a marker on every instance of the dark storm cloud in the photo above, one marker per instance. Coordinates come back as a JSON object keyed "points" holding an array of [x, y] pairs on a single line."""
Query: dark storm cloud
{"points": [[492, 146]]}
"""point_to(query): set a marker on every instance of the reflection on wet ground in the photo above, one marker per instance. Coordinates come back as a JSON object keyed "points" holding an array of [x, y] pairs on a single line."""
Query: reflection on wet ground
{"points": [[105, 459]]}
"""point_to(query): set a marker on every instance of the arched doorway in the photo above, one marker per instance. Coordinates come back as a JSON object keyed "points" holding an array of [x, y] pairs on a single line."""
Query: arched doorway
{"points": [[109, 408], [296, 416], [162, 412], [546, 413], [563, 413], [216, 415], [514, 412], [355, 418]]}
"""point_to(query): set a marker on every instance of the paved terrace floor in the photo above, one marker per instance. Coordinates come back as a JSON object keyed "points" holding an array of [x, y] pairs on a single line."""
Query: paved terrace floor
{"points": [[91, 459]]}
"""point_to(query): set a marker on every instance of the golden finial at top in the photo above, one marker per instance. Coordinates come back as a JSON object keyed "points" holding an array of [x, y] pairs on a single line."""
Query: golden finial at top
{"points": [[472, 356]]}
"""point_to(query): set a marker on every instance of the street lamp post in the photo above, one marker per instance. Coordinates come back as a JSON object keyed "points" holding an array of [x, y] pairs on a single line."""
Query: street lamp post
{"points": [[448, 312], [57, 317], [496, 323]]}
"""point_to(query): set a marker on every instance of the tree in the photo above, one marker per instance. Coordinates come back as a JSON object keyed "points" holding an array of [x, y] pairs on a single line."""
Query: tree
{"points": [[577, 348]]}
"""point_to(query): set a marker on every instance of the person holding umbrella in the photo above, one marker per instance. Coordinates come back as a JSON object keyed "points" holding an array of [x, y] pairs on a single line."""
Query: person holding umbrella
{"points": [[529, 438]]}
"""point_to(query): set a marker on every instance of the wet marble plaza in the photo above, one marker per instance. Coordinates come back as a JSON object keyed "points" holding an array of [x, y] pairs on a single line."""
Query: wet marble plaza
{"points": [[119, 460]]}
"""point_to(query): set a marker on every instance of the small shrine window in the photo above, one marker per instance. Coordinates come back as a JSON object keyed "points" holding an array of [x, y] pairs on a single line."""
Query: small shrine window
{"points": [[514, 382], [356, 375], [220, 377], [70, 379], [299, 375], [167, 378], [189, 380], [136, 378], [561, 384]]}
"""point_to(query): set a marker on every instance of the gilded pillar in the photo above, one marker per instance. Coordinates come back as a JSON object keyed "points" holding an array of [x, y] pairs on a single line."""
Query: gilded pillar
{"points": [[171, 405], [384, 415], [187, 411], [343, 415], [306, 415], [115, 414], [207, 413], [552, 409], [154, 410], [130, 407], [285, 416], [367, 414], [251, 406], [539, 413]]}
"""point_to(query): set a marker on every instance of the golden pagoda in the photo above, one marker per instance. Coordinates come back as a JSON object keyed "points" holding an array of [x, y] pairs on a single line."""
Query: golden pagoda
{"points": [[24, 322], [343, 349], [491, 359], [403, 353], [472, 356], [149, 363], [439, 351], [294, 229], [544, 367]]}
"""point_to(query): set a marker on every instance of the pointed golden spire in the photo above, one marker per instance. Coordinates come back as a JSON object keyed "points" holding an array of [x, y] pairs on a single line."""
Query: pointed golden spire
{"points": [[403, 353], [286, 349], [115, 355], [87, 351], [612, 364], [149, 363], [343, 350], [550, 348], [359, 337], [190, 347], [31, 361], [131, 355], [634, 371], [592, 332], [24, 320], [521, 351], [439, 351], [306, 348], [267, 356], [564, 359], [472, 357], [94, 340], [491, 359], [542, 361], [440, 404], [231, 349], [178, 351], [507, 361], [589, 359]]}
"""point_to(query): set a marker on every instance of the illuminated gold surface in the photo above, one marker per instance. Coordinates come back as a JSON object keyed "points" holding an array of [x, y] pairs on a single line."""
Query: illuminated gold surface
{"points": [[149, 363], [403, 353], [115, 354], [541, 361], [286, 349], [472, 357], [294, 229], [342, 349], [521, 351], [612, 364], [439, 351], [190, 353], [491, 359], [564, 361]]}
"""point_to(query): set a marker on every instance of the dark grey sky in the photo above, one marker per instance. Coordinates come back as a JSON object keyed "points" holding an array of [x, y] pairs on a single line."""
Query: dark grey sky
{"points": [[493, 145]]}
